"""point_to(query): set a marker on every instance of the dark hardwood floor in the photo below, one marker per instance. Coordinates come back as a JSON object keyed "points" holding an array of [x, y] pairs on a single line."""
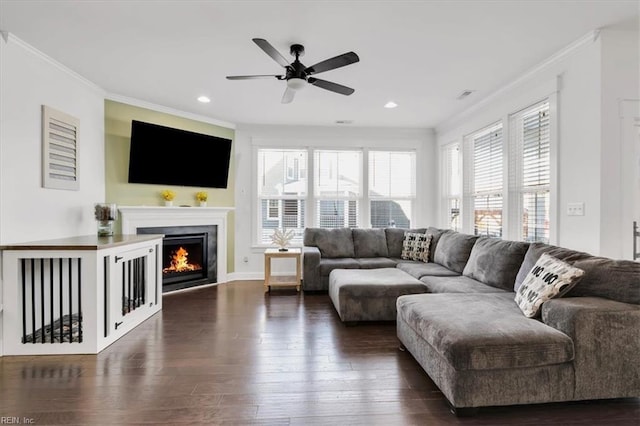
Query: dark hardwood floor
{"points": [[230, 354]]}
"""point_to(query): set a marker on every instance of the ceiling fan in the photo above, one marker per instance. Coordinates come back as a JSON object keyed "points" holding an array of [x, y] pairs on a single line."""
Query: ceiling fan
{"points": [[297, 75]]}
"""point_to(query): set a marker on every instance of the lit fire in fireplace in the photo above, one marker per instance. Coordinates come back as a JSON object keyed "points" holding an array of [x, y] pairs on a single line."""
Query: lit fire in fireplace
{"points": [[180, 262]]}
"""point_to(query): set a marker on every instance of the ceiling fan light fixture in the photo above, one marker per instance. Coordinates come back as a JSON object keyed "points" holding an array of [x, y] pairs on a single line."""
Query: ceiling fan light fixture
{"points": [[296, 83]]}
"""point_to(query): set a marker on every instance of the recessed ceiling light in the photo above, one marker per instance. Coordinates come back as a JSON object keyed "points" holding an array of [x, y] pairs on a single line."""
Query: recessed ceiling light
{"points": [[204, 99], [390, 104]]}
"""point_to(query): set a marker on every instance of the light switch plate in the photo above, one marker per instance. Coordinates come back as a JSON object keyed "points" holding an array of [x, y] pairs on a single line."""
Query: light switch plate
{"points": [[575, 209]]}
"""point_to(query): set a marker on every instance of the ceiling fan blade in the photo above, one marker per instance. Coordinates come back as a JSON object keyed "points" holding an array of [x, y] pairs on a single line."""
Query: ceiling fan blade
{"points": [[253, 77], [288, 96], [328, 85], [333, 63], [271, 51]]}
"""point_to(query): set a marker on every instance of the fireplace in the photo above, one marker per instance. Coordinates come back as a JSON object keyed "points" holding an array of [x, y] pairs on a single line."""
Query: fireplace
{"points": [[189, 255]]}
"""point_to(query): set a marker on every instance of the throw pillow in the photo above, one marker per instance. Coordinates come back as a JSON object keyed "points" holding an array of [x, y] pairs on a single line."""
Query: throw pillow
{"points": [[416, 246], [549, 278]]}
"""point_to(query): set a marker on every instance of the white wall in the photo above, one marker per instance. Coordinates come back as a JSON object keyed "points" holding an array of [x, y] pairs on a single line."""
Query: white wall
{"points": [[581, 75], [422, 140], [620, 65], [27, 211]]}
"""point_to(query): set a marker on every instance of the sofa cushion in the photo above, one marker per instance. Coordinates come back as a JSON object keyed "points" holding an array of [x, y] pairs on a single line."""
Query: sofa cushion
{"points": [[370, 243], [535, 251], [612, 279], [419, 269], [395, 237], [459, 284], [549, 278], [496, 262], [328, 265], [376, 262], [435, 237], [333, 243], [415, 246], [492, 333], [453, 250]]}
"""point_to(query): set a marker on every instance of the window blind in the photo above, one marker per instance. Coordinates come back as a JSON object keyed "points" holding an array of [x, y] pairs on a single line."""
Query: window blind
{"points": [[535, 173], [392, 188], [337, 188], [282, 189], [487, 181]]}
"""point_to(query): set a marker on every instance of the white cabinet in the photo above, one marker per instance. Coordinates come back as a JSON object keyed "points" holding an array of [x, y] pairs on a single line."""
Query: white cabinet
{"points": [[78, 295]]}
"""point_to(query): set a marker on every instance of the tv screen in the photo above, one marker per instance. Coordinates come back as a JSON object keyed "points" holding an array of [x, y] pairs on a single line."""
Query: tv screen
{"points": [[167, 156]]}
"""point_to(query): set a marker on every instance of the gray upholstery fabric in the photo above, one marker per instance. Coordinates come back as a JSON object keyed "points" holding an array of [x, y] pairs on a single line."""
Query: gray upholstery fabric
{"points": [[376, 262], [370, 243], [435, 237], [453, 250], [492, 333], [479, 388], [333, 243], [328, 265], [418, 269], [535, 251], [370, 295], [395, 236], [458, 284], [311, 269], [495, 262], [606, 336], [613, 279]]}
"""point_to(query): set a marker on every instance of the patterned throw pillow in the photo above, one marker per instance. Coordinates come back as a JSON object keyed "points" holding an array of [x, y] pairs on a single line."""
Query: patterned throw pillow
{"points": [[416, 246], [549, 278]]}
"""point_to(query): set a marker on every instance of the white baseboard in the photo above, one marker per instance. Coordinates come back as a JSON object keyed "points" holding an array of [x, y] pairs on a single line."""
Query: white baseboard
{"points": [[241, 276]]}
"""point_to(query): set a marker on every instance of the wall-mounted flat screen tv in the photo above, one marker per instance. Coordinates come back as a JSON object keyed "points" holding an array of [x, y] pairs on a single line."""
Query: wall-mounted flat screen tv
{"points": [[167, 156]]}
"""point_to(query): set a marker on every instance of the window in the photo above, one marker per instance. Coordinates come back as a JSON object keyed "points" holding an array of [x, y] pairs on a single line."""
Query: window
{"points": [[337, 188], [486, 186], [392, 188], [282, 191], [451, 185], [531, 171]]}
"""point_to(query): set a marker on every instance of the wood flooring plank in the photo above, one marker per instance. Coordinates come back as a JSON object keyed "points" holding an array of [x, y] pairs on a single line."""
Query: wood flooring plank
{"points": [[232, 355]]}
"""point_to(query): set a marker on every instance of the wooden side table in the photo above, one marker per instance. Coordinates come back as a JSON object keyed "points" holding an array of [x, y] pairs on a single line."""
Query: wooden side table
{"points": [[282, 281]]}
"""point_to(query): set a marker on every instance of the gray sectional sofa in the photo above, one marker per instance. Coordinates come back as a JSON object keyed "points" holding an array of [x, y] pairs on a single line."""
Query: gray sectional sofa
{"points": [[457, 316]]}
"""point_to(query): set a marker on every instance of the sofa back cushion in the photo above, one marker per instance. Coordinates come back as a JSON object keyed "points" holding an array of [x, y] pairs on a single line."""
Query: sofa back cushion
{"points": [[370, 243], [332, 243], [453, 250], [612, 279], [435, 237], [535, 251], [496, 262], [395, 237]]}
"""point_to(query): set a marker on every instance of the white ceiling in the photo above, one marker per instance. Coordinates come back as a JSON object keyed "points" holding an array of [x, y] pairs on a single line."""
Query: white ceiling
{"points": [[420, 54]]}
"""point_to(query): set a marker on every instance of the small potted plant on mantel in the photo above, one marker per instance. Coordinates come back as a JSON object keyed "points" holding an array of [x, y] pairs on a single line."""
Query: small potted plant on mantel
{"points": [[202, 197], [168, 196]]}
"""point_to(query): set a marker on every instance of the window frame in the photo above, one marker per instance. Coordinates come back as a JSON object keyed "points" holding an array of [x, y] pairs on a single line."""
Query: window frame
{"points": [[448, 196]]}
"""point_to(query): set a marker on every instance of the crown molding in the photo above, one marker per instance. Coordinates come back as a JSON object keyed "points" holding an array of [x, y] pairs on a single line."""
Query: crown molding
{"points": [[568, 50], [11, 38], [167, 110]]}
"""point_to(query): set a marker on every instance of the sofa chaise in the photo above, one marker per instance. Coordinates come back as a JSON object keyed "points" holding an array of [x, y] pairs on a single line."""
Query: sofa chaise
{"points": [[466, 330]]}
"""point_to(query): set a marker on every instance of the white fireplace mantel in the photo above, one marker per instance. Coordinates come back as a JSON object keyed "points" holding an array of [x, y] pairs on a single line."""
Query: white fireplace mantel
{"points": [[134, 217]]}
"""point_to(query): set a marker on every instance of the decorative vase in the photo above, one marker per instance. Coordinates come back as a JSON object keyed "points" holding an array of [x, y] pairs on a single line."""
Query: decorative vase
{"points": [[168, 203], [105, 214], [203, 204]]}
